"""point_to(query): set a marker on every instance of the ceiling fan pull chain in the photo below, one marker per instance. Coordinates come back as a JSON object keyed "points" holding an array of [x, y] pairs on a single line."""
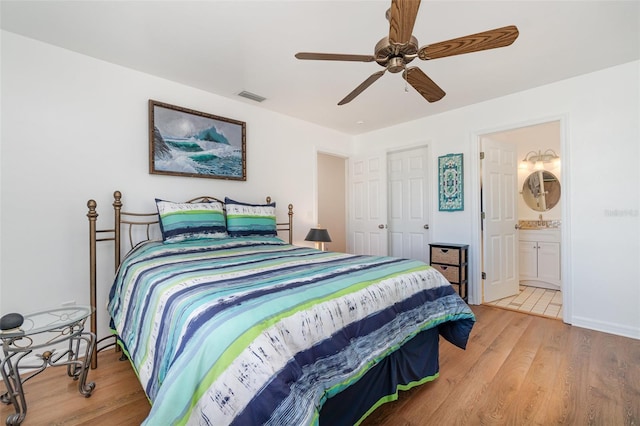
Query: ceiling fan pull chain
{"points": [[406, 86]]}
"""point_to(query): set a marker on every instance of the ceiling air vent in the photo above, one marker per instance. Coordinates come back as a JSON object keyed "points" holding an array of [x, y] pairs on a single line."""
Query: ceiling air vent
{"points": [[251, 96]]}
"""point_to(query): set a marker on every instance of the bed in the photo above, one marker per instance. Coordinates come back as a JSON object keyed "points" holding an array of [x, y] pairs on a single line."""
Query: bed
{"points": [[234, 325]]}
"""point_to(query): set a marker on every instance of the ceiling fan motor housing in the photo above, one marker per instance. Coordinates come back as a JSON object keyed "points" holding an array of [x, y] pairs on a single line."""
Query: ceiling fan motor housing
{"points": [[395, 57]]}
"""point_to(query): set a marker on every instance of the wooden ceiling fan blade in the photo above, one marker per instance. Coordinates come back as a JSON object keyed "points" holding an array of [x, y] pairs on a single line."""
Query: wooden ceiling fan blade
{"points": [[402, 17], [423, 84], [499, 37], [334, 57], [368, 82]]}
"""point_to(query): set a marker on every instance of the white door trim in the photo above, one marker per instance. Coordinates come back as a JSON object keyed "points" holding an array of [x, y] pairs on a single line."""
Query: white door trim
{"points": [[475, 267]]}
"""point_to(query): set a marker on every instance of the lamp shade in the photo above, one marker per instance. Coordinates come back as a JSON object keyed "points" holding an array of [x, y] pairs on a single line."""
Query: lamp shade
{"points": [[318, 235]]}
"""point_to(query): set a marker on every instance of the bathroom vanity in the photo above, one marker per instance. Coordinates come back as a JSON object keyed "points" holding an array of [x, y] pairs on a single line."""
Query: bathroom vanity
{"points": [[540, 257]]}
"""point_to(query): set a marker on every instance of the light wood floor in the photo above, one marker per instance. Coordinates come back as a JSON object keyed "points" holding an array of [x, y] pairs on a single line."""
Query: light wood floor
{"points": [[518, 369]]}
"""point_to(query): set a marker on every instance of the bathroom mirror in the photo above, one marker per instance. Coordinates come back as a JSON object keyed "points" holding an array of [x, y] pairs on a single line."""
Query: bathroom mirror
{"points": [[541, 190]]}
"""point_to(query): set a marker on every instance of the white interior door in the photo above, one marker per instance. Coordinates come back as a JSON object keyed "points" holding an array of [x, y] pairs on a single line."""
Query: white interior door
{"points": [[408, 210], [500, 244], [368, 206]]}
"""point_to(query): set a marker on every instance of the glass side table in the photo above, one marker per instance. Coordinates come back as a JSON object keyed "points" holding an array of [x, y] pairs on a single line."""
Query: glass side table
{"points": [[43, 331]]}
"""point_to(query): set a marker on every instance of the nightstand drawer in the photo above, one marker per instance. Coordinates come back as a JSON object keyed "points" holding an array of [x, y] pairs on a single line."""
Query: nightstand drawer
{"points": [[451, 273], [449, 256], [451, 260]]}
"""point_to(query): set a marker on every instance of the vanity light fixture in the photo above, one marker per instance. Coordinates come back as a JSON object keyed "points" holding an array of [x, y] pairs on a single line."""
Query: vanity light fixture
{"points": [[537, 160]]}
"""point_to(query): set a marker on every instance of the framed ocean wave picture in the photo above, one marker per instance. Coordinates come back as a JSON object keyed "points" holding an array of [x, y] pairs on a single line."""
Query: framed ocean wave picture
{"points": [[450, 183], [184, 142]]}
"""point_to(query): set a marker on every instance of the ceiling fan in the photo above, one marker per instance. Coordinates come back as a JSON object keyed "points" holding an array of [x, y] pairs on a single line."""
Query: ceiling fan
{"points": [[401, 47]]}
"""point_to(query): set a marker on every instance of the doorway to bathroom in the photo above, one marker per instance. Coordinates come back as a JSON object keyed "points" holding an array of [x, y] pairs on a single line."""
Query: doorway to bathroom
{"points": [[521, 227]]}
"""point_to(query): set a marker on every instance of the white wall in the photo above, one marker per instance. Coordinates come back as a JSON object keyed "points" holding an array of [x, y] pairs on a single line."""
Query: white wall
{"points": [[601, 202], [75, 128]]}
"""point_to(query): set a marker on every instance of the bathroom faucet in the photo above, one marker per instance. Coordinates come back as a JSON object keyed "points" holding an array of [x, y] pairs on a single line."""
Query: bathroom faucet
{"points": [[540, 221]]}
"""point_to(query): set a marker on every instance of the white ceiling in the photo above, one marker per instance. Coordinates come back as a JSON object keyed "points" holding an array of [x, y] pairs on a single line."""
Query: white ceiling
{"points": [[225, 47]]}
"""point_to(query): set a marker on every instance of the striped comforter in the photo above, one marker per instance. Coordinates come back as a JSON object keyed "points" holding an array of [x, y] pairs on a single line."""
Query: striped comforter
{"points": [[255, 331]]}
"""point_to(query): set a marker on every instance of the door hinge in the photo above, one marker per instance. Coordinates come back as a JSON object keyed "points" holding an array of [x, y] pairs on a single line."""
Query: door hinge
{"points": [[482, 216], [482, 155], [484, 275]]}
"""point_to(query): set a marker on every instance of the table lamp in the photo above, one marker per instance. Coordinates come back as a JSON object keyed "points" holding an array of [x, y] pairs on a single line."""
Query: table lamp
{"points": [[319, 236]]}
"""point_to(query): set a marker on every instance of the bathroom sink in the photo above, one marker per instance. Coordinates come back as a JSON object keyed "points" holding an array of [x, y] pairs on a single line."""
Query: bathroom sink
{"points": [[529, 225]]}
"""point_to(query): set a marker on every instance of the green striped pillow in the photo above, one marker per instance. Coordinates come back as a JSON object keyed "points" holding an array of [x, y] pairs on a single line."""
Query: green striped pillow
{"points": [[244, 219], [191, 221]]}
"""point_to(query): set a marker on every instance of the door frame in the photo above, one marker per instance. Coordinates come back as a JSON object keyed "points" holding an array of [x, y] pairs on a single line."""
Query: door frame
{"points": [[476, 261]]}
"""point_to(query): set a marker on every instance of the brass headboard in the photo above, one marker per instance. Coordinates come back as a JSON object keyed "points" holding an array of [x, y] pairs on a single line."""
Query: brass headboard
{"points": [[130, 223]]}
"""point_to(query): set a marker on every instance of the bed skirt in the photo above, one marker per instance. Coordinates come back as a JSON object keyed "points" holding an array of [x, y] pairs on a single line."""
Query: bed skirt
{"points": [[414, 363]]}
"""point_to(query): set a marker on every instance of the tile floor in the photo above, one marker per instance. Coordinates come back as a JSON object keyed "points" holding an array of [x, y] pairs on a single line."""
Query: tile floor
{"points": [[534, 300]]}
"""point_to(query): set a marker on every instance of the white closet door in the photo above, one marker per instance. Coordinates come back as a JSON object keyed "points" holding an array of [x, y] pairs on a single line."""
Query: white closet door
{"points": [[368, 202], [408, 212]]}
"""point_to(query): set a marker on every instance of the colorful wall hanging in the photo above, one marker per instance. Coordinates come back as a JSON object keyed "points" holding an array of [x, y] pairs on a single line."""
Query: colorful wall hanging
{"points": [[450, 183]]}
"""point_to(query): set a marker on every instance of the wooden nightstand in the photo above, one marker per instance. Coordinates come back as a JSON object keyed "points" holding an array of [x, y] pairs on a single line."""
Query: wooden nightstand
{"points": [[452, 260]]}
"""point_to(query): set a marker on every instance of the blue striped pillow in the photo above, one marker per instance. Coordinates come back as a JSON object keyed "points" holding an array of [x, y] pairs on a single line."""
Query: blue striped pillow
{"points": [[191, 221], [244, 219]]}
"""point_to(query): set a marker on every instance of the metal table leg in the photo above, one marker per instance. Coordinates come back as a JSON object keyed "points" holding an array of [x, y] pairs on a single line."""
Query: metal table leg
{"points": [[77, 369], [14, 394]]}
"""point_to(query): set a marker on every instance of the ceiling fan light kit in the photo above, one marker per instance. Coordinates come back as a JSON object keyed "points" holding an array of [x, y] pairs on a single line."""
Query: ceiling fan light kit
{"points": [[401, 47]]}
